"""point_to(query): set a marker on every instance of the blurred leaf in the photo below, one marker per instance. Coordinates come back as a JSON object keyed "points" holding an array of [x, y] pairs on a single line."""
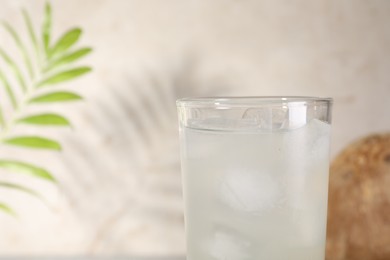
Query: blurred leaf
{"points": [[65, 42], [64, 76], [31, 32], [45, 119], [2, 122], [8, 89], [53, 55], [26, 168], [68, 58], [46, 28], [14, 68], [33, 142], [60, 96], [20, 188], [21, 47], [5, 208]]}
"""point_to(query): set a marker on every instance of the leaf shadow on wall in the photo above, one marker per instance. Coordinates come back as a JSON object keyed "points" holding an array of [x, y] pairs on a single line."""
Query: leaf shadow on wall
{"points": [[125, 172]]}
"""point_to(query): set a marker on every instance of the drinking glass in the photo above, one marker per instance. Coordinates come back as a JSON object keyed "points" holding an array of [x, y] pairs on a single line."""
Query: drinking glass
{"points": [[255, 176]]}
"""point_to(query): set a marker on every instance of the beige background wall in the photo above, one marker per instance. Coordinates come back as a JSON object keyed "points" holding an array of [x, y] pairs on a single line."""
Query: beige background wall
{"points": [[119, 175]]}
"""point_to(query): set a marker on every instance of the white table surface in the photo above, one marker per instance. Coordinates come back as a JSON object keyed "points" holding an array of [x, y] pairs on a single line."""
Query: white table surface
{"points": [[89, 258]]}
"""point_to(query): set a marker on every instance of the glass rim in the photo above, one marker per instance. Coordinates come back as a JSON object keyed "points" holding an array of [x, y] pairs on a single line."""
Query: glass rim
{"points": [[252, 101]]}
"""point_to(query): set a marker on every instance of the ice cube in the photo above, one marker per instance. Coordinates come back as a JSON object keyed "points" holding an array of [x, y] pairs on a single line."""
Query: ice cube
{"points": [[297, 115], [267, 118], [320, 132], [249, 191], [311, 142], [226, 245], [286, 117]]}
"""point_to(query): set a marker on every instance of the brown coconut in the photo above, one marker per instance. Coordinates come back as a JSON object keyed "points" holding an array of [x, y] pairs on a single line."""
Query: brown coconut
{"points": [[359, 201]]}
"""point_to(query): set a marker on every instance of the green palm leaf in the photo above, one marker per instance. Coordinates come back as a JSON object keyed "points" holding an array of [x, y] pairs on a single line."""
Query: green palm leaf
{"points": [[8, 89], [21, 47], [31, 32], [33, 142], [7, 209], [60, 96], [15, 69], [2, 121], [64, 76], [68, 58], [21, 188], [45, 119], [65, 42], [49, 58], [46, 28], [26, 168]]}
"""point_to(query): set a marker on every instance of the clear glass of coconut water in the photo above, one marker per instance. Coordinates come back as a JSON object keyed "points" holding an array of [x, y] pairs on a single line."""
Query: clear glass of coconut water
{"points": [[255, 177]]}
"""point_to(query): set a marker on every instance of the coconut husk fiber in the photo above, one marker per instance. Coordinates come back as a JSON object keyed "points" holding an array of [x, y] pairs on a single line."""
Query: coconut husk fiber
{"points": [[359, 201]]}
